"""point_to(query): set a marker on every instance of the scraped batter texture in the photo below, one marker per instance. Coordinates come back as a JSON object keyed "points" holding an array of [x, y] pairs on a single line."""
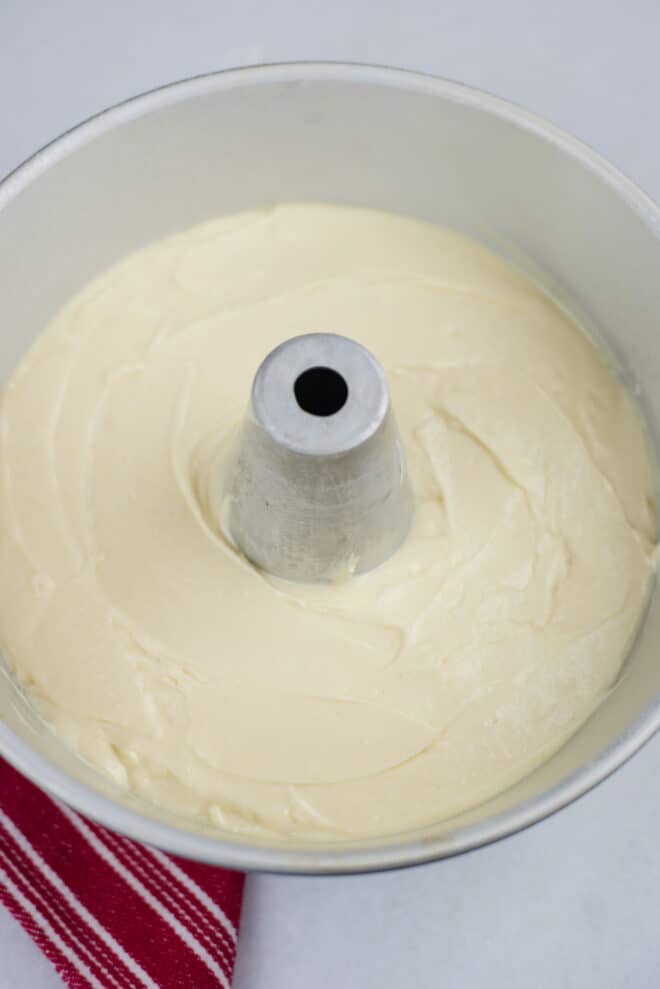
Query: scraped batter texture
{"points": [[371, 705]]}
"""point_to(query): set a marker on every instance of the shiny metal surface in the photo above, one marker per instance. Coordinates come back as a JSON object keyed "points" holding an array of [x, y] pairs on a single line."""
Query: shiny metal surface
{"points": [[318, 488], [374, 137]]}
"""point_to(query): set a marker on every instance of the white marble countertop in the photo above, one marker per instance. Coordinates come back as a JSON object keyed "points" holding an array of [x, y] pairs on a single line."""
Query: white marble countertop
{"points": [[572, 903]]}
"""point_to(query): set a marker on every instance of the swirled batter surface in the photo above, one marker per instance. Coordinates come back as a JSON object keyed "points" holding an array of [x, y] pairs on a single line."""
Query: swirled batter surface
{"points": [[367, 706]]}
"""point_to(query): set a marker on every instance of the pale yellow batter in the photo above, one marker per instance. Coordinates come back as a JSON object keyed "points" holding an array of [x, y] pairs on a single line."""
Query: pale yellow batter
{"points": [[368, 706]]}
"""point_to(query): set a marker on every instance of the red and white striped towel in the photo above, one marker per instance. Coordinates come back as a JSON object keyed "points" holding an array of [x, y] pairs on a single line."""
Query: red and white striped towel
{"points": [[110, 913]]}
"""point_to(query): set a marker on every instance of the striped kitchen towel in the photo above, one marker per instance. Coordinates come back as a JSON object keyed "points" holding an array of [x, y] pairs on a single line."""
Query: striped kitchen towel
{"points": [[108, 912]]}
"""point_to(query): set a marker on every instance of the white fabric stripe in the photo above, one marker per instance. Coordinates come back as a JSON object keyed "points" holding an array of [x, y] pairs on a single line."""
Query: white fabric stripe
{"points": [[75, 903], [184, 934], [52, 935], [149, 871], [206, 930], [56, 920], [196, 891]]}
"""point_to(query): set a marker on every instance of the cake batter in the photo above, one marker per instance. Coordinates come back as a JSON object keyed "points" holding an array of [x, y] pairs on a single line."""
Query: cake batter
{"points": [[366, 706]]}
